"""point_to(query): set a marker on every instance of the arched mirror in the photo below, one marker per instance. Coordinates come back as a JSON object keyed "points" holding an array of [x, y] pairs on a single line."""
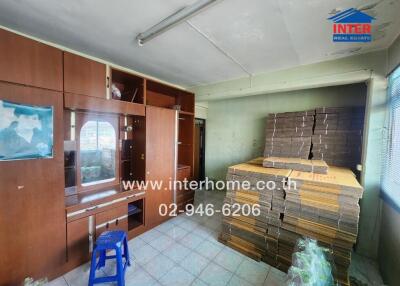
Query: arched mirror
{"points": [[97, 152]]}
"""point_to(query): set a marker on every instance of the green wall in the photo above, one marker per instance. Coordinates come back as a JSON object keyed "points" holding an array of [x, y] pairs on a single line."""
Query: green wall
{"points": [[235, 127], [370, 68]]}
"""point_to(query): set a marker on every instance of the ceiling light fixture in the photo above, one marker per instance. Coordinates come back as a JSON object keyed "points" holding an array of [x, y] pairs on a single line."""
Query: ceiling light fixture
{"points": [[173, 20]]}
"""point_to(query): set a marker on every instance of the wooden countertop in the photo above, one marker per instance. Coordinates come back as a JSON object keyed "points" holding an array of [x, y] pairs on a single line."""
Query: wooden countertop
{"points": [[91, 198]]}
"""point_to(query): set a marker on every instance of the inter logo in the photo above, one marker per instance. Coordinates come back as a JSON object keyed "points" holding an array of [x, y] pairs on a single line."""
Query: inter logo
{"points": [[352, 25]]}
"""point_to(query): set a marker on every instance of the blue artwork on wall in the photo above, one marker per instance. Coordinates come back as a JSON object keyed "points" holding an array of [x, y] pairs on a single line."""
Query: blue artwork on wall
{"points": [[26, 131]]}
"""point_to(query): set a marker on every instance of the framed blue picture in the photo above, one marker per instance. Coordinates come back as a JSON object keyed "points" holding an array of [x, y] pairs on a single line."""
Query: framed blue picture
{"points": [[26, 131]]}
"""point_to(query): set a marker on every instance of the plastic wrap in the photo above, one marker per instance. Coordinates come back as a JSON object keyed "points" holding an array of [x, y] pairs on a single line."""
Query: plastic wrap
{"points": [[310, 265]]}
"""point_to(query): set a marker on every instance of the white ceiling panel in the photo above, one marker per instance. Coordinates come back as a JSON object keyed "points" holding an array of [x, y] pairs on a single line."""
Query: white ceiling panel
{"points": [[251, 33], [259, 35], [311, 32]]}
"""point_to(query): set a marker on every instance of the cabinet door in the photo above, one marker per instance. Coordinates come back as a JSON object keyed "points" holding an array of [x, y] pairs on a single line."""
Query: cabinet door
{"points": [[29, 62], [160, 160], [183, 196], [32, 210], [78, 241], [84, 76]]}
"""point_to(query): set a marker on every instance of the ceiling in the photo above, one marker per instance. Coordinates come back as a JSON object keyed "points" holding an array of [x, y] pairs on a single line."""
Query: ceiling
{"points": [[231, 39]]}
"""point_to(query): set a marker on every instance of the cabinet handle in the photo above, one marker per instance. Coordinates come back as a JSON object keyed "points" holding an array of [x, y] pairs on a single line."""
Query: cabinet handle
{"points": [[107, 225], [91, 208], [116, 222], [108, 82]]}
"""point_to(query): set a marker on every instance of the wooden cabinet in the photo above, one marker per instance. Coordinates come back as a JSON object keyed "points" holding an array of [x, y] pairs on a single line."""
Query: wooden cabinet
{"points": [[84, 76], [160, 160], [184, 196], [86, 227], [114, 219], [78, 241], [32, 216], [28, 62]]}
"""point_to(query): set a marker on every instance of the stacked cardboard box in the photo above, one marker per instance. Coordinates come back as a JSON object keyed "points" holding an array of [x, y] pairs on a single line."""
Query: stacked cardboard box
{"points": [[314, 166], [289, 134], [321, 206], [337, 137], [249, 233]]}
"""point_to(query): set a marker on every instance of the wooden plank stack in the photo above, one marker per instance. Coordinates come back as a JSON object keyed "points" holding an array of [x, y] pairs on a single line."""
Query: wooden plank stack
{"points": [[289, 134], [314, 166], [249, 234], [337, 137], [321, 206]]}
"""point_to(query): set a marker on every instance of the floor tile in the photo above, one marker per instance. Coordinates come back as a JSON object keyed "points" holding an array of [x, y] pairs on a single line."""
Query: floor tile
{"points": [[136, 243], [164, 227], [253, 271], [144, 254], [215, 275], [177, 252], [198, 282], [208, 249], [237, 281], [364, 270], [162, 242], [191, 240], [139, 278], [177, 276], [150, 235], [176, 232], [228, 259], [131, 269], [189, 225], [179, 220], [60, 281], [194, 263], [275, 278], [205, 232], [214, 223], [80, 275], [159, 266]]}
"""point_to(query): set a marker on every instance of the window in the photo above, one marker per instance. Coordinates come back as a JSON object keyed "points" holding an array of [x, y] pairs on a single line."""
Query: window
{"points": [[391, 177], [97, 152]]}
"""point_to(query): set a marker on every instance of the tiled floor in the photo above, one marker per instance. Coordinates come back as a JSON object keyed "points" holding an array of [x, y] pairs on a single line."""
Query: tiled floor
{"points": [[185, 251]]}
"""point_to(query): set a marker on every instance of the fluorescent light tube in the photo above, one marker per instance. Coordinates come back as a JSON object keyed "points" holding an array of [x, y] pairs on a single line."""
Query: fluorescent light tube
{"points": [[173, 20]]}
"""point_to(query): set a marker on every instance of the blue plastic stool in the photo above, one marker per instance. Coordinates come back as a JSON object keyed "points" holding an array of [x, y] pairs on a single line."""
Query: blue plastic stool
{"points": [[110, 240]]}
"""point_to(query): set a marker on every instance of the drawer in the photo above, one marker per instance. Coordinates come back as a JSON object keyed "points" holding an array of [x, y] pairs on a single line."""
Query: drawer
{"points": [[183, 173], [183, 196], [120, 223], [111, 214]]}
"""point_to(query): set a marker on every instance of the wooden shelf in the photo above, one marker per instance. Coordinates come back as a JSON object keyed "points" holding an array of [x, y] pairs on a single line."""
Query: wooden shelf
{"points": [[161, 95], [90, 103], [130, 86], [186, 113]]}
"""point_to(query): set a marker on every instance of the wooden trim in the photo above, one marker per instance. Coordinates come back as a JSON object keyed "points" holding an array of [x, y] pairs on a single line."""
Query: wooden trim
{"points": [[89, 103]]}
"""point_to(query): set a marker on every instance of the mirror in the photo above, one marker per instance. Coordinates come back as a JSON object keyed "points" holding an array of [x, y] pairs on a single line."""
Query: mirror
{"points": [[97, 152]]}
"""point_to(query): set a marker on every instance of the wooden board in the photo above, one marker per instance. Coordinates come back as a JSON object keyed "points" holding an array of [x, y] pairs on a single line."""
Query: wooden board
{"points": [[298, 164], [84, 76], [336, 178], [160, 156], [29, 62], [32, 213]]}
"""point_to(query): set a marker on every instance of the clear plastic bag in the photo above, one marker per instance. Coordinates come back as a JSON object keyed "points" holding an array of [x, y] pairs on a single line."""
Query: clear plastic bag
{"points": [[311, 265]]}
